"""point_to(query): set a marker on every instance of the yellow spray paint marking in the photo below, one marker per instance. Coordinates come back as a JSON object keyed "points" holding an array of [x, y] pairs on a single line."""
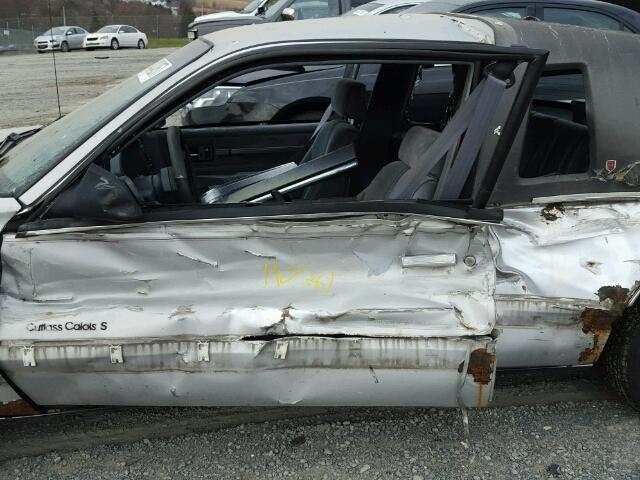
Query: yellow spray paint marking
{"points": [[292, 275]]}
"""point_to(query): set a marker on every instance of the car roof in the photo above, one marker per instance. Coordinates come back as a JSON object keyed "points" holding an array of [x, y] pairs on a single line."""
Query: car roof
{"points": [[451, 28], [563, 41]]}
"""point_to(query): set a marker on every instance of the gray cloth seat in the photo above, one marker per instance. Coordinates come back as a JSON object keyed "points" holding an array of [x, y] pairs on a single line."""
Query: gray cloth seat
{"points": [[435, 166], [350, 103], [410, 156]]}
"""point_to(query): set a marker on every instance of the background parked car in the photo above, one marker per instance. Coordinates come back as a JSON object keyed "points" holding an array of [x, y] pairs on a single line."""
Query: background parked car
{"points": [[274, 11], [384, 7], [241, 102], [60, 38], [583, 13], [115, 37], [248, 11]]}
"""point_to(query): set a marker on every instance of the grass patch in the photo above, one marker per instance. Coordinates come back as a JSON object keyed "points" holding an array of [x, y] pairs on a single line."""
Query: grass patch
{"points": [[167, 42]]}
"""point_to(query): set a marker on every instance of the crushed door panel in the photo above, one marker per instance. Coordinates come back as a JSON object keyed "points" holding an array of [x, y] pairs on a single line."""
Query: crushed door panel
{"points": [[379, 278]]}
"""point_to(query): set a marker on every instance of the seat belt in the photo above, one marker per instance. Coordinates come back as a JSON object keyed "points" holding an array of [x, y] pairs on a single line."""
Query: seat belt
{"points": [[467, 120], [453, 179], [323, 120]]}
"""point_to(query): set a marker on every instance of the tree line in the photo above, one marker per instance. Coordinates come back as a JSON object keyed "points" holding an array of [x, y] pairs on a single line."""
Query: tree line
{"points": [[97, 8]]}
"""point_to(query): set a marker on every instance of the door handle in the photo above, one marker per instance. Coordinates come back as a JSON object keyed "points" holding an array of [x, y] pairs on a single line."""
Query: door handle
{"points": [[437, 260]]}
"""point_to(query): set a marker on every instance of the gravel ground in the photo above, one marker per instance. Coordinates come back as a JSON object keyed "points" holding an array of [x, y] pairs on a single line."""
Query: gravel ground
{"points": [[536, 433], [28, 86], [592, 440]]}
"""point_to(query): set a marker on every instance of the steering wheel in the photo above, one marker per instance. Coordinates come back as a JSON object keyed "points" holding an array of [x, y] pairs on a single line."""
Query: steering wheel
{"points": [[177, 157]]}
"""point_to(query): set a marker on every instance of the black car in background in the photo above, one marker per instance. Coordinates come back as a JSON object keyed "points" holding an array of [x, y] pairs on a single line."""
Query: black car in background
{"points": [[275, 11], [583, 13], [257, 99]]}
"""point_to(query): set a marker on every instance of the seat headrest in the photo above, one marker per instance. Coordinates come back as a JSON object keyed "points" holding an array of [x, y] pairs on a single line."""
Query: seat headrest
{"points": [[349, 99], [415, 142]]}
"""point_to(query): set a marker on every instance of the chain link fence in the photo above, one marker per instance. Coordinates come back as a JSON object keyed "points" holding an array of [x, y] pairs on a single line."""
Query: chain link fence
{"points": [[18, 33]]}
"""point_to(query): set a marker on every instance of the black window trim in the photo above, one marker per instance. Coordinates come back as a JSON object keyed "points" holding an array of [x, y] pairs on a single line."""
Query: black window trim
{"points": [[317, 210], [514, 190]]}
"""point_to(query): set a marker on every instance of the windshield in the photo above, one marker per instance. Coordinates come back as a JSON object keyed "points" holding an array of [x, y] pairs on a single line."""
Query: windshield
{"points": [[54, 31], [251, 7], [32, 158], [272, 7], [108, 30]]}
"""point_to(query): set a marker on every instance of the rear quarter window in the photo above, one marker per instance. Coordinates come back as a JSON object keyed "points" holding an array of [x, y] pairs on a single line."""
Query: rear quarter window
{"points": [[558, 136]]}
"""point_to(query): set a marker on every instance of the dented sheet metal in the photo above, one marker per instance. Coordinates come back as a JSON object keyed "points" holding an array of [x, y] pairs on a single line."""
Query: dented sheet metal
{"points": [[311, 371], [262, 313], [268, 278], [564, 276]]}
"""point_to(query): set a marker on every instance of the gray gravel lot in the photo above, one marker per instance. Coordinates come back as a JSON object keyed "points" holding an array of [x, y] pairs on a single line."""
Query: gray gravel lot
{"points": [[564, 424], [28, 86], [587, 440]]}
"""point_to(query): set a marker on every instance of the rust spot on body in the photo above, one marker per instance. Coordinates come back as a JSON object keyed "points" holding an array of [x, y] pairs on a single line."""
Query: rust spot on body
{"points": [[481, 366], [479, 400], [17, 408], [552, 212], [599, 321]]}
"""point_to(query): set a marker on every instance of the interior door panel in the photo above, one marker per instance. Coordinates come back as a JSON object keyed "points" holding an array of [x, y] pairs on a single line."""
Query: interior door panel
{"points": [[218, 154]]}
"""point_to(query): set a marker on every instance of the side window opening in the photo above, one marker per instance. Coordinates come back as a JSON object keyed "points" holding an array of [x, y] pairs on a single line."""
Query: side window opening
{"points": [[220, 162], [271, 95], [557, 138]]}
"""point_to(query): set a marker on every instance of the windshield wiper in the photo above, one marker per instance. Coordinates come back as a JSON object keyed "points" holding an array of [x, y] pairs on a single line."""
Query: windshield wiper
{"points": [[14, 138]]}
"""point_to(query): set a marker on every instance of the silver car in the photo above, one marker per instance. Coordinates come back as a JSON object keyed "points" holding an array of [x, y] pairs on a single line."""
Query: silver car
{"points": [[395, 253], [64, 39]]}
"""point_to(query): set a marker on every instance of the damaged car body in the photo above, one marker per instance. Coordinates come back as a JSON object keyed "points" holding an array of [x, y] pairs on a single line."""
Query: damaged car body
{"points": [[373, 257]]}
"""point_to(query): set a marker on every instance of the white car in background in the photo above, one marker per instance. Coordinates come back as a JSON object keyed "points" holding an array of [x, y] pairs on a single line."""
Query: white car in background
{"points": [[384, 7], [115, 37], [249, 11]]}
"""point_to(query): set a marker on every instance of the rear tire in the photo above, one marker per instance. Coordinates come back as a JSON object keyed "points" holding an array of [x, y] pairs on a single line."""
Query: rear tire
{"points": [[621, 356], [141, 45], [64, 47], [115, 45]]}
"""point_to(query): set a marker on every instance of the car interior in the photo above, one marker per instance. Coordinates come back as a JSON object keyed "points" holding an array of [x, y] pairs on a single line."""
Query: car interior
{"points": [[390, 131], [368, 115]]}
